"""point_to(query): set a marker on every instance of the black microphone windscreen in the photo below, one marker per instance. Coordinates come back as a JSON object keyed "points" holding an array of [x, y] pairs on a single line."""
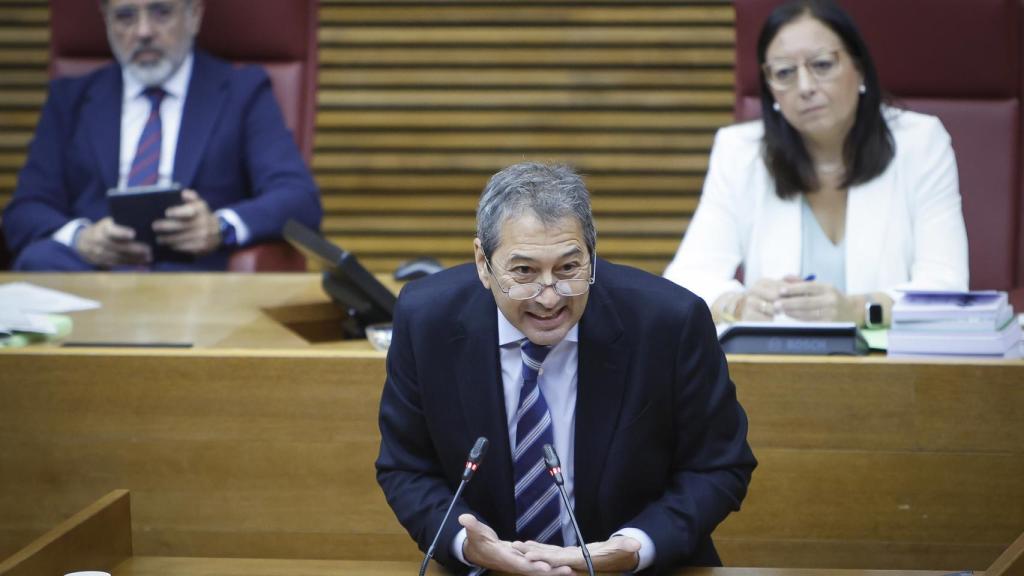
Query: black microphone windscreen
{"points": [[479, 450], [550, 457]]}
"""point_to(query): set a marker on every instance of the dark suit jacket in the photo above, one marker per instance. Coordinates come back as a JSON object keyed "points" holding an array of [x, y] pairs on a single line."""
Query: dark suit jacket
{"points": [[660, 440], [233, 149]]}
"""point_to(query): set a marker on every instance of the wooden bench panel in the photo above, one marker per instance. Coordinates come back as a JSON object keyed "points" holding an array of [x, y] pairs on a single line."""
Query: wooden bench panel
{"points": [[224, 460]]}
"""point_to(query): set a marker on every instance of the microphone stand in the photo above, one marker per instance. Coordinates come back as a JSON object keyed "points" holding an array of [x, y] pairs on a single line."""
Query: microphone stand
{"points": [[472, 463], [555, 469]]}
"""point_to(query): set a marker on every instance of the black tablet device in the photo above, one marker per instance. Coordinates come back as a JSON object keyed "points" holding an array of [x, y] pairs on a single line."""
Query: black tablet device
{"points": [[805, 338], [139, 206], [351, 286]]}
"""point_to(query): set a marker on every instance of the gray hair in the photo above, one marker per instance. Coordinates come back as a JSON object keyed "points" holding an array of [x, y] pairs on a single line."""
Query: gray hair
{"points": [[552, 192]]}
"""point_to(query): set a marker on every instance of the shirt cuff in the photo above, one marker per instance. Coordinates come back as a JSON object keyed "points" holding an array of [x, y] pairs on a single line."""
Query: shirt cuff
{"points": [[66, 234], [646, 552], [457, 543], [241, 230]]}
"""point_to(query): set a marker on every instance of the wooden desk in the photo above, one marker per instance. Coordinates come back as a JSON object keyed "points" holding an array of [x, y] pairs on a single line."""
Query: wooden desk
{"points": [[100, 538], [209, 311], [259, 443]]}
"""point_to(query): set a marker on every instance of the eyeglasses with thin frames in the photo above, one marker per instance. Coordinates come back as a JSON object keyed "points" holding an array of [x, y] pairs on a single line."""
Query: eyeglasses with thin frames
{"points": [[128, 16], [530, 290], [783, 74]]}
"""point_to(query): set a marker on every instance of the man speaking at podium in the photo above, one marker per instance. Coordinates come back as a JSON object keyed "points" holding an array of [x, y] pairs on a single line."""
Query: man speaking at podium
{"points": [[162, 113], [540, 342]]}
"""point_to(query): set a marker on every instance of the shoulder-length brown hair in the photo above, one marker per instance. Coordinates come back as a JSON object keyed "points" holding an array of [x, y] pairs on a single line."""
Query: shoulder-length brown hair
{"points": [[869, 146]]}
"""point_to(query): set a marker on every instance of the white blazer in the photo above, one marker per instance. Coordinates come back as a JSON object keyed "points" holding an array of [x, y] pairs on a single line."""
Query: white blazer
{"points": [[904, 229]]}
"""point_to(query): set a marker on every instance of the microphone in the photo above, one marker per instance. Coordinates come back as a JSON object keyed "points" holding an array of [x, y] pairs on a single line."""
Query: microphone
{"points": [[555, 469], [476, 454]]}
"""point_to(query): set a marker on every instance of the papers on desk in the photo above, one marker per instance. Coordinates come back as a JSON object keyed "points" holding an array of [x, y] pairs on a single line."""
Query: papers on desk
{"points": [[979, 323], [16, 321], [25, 307], [32, 298]]}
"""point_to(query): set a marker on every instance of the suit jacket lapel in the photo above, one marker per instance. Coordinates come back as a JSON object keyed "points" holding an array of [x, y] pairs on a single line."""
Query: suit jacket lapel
{"points": [[101, 113], [601, 386], [205, 97], [482, 400]]}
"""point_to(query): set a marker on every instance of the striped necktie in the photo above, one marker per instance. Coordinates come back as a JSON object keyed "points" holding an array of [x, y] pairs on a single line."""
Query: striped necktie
{"points": [[537, 507], [146, 164]]}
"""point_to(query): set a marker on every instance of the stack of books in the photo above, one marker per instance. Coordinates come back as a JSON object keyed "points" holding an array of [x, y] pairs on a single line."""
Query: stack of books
{"points": [[978, 323]]}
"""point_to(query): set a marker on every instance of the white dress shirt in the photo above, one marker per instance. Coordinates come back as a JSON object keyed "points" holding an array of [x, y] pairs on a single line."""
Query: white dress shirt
{"points": [[557, 382], [135, 109]]}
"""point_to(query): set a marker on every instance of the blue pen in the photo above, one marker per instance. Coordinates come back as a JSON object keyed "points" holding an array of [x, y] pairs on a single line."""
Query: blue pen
{"points": [[809, 278]]}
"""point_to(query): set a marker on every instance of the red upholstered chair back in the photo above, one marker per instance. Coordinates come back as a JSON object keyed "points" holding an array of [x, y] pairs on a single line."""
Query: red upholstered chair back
{"points": [[961, 61], [279, 35]]}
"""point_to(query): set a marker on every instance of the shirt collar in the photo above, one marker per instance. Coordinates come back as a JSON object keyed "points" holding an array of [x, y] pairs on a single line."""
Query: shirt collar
{"points": [[509, 334], [175, 86]]}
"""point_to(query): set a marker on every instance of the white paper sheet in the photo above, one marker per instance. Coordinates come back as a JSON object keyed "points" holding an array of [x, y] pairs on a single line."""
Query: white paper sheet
{"points": [[26, 297], [15, 321]]}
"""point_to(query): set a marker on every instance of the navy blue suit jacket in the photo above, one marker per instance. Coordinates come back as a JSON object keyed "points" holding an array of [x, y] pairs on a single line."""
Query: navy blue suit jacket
{"points": [[233, 149], [660, 439]]}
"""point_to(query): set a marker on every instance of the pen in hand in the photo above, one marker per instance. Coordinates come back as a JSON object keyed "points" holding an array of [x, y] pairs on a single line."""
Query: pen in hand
{"points": [[785, 291]]}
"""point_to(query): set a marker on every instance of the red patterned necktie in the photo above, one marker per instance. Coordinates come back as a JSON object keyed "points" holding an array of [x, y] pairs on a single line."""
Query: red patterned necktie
{"points": [[145, 166]]}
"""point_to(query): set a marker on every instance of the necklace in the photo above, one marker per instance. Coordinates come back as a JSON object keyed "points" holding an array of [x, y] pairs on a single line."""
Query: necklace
{"points": [[827, 169]]}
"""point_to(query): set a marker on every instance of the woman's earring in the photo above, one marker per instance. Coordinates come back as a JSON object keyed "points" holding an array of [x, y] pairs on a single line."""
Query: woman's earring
{"points": [[776, 107], [862, 89]]}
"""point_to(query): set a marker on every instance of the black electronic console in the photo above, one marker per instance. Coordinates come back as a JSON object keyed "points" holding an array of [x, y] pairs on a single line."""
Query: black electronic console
{"points": [[351, 286], [804, 338]]}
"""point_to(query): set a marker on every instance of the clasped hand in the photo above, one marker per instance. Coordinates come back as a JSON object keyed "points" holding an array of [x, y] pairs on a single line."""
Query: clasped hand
{"points": [[189, 227], [483, 548], [796, 298]]}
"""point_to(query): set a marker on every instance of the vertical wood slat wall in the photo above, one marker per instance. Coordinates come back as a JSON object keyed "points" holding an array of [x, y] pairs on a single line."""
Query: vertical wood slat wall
{"points": [[421, 101]]}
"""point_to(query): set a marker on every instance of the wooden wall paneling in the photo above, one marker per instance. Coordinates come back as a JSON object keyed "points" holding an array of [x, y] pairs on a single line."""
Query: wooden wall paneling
{"points": [[420, 102], [24, 45]]}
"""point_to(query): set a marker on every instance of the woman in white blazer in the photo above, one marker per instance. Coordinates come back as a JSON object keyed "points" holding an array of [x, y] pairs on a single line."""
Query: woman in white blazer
{"points": [[833, 201]]}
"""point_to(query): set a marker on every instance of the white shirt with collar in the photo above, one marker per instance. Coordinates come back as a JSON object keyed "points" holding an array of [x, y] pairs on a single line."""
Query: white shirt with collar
{"points": [[135, 110], [558, 382]]}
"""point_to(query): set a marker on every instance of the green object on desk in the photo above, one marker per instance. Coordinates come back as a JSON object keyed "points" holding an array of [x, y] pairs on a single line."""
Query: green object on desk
{"points": [[877, 338], [61, 322]]}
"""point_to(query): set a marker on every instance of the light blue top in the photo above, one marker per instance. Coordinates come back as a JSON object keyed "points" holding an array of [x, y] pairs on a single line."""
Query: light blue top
{"points": [[818, 255]]}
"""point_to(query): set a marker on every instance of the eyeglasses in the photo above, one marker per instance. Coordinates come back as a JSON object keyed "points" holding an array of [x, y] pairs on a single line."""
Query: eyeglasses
{"points": [[530, 290], [783, 74], [126, 17]]}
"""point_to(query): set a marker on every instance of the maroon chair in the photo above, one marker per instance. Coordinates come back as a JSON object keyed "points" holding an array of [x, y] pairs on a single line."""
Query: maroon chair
{"points": [[280, 36], [959, 60]]}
